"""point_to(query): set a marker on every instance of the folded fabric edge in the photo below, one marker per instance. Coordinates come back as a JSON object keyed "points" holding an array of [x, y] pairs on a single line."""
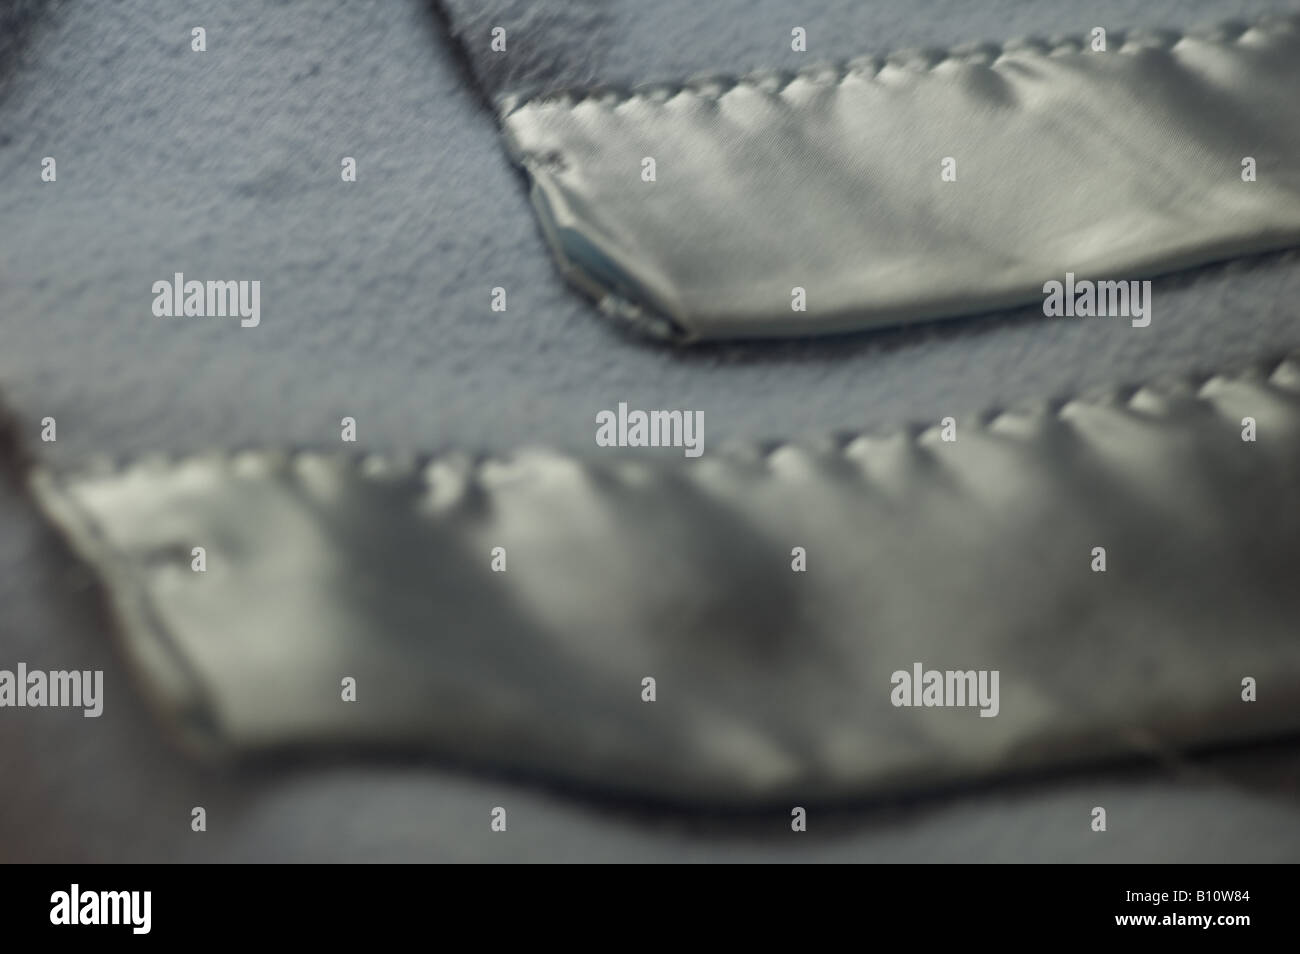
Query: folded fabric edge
{"points": [[172, 687]]}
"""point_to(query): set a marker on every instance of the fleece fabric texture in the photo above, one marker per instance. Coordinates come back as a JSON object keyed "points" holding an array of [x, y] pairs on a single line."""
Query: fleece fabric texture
{"points": [[376, 294]]}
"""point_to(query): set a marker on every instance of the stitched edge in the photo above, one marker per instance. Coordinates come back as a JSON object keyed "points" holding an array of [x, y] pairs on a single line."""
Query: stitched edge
{"points": [[774, 82], [1279, 372]]}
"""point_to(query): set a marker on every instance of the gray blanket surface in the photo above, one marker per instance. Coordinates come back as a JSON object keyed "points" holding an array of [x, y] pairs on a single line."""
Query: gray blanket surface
{"points": [[375, 304]]}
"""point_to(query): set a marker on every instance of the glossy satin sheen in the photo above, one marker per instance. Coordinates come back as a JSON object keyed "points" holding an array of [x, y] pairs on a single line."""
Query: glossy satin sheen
{"points": [[771, 685], [1111, 165]]}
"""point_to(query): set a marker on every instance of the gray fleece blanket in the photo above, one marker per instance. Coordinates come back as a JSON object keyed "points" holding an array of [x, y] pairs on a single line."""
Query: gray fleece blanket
{"points": [[376, 305]]}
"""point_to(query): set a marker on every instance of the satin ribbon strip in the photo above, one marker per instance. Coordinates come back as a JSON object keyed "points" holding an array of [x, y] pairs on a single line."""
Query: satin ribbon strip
{"points": [[771, 684], [1112, 165]]}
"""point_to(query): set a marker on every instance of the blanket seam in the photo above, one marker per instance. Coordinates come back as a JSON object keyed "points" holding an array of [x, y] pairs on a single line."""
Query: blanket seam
{"points": [[392, 465], [925, 60]]}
